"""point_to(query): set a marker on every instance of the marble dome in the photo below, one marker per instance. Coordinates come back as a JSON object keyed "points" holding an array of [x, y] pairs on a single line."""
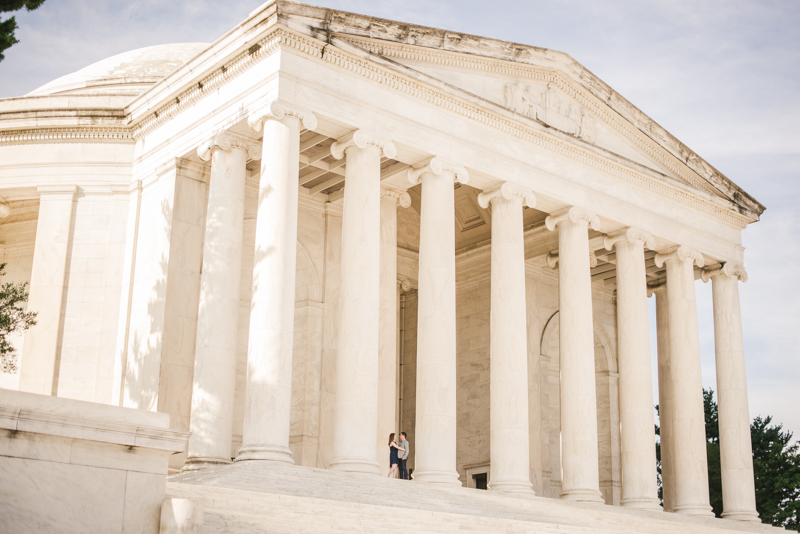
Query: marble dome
{"points": [[129, 73]]}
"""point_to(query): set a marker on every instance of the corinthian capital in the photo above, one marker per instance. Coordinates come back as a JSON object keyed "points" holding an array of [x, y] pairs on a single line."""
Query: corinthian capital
{"points": [[362, 139], [438, 166], [400, 196], [632, 236], [507, 191], [680, 254], [277, 110], [572, 214], [728, 269], [227, 141]]}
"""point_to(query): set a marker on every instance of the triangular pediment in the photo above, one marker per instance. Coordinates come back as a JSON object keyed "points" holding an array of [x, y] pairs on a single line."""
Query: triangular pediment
{"points": [[544, 86]]}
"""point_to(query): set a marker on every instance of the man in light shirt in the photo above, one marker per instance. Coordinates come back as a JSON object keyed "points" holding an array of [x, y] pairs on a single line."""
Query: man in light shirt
{"points": [[402, 456]]}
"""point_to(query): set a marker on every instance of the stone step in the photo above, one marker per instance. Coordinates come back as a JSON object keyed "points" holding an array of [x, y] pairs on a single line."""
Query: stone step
{"points": [[249, 496]]}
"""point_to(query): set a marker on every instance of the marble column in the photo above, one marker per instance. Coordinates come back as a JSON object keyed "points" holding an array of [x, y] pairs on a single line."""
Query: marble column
{"points": [[637, 433], [579, 456], [214, 379], [39, 361], [736, 453], [268, 394], [665, 388], [690, 467], [508, 352], [356, 410], [387, 339], [435, 430]]}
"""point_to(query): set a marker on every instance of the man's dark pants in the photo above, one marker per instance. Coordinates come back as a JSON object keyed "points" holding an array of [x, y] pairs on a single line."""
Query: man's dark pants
{"points": [[403, 469]]}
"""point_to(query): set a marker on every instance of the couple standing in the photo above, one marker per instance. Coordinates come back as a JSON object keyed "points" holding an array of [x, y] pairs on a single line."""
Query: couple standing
{"points": [[398, 455]]}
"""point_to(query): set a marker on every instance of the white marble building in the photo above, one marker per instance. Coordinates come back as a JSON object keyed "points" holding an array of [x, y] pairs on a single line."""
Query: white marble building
{"points": [[326, 227]]}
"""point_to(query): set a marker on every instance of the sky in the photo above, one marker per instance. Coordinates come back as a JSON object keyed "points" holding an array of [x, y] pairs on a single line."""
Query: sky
{"points": [[723, 76]]}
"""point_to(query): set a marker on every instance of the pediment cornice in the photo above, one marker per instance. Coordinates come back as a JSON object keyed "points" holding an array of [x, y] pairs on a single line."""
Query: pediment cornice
{"points": [[278, 36], [641, 131]]}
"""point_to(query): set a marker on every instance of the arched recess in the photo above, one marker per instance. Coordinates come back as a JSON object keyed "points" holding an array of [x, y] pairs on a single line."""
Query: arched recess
{"points": [[606, 383], [306, 361]]}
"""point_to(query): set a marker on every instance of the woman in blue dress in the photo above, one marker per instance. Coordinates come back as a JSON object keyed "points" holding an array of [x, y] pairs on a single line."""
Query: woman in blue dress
{"points": [[393, 461]]}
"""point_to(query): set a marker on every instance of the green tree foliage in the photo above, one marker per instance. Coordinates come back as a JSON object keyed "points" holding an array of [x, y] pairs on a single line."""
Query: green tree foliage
{"points": [[776, 466], [776, 463], [9, 26], [12, 319]]}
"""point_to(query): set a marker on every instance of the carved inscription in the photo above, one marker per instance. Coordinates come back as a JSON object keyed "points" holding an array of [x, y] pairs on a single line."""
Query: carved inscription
{"points": [[549, 106]]}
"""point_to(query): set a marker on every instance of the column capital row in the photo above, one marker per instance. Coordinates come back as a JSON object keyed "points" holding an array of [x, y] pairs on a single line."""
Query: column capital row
{"points": [[403, 284], [438, 166], [507, 191], [728, 269], [362, 139], [226, 141], [401, 197], [572, 214], [680, 253], [631, 235], [277, 110]]}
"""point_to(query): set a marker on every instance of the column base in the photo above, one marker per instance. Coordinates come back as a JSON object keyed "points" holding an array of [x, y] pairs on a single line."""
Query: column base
{"points": [[196, 463], [702, 510], [741, 515], [642, 504], [367, 467], [512, 488], [591, 496], [270, 454], [441, 478]]}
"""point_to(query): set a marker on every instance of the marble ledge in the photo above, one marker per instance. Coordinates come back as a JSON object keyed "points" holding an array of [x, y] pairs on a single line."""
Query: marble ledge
{"points": [[67, 418]]}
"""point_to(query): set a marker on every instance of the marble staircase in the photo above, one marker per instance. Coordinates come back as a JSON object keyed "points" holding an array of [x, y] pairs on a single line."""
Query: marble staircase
{"points": [[268, 498]]}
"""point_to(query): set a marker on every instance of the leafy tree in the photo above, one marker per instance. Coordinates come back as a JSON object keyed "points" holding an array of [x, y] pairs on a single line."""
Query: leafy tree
{"points": [[776, 466], [8, 26], [12, 319]]}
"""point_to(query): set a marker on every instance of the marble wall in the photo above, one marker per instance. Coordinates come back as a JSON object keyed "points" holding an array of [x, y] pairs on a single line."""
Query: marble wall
{"points": [[74, 466]]}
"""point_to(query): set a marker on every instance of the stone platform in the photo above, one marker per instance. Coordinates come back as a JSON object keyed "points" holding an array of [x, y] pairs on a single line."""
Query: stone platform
{"points": [[261, 497]]}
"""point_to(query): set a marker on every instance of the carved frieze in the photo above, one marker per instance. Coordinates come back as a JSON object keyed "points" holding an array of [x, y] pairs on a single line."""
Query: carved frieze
{"points": [[547, 104]]}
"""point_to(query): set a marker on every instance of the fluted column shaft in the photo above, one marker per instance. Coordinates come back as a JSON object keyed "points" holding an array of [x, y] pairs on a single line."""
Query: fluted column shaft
{"points": [[665, 401], [356, 412], [508, 353], [690, 466], [269, 355], [435, 456], [387, 340], [579, 458], [736, 452], [217, 319], [637, 436]]}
